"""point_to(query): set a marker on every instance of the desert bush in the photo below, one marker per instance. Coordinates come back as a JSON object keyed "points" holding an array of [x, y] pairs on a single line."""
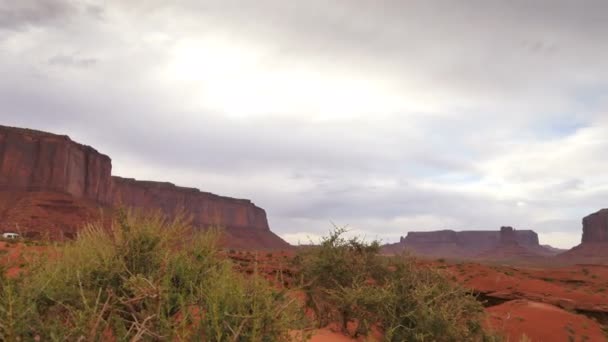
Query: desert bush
{"points": [[347, 281], [147, 278]]}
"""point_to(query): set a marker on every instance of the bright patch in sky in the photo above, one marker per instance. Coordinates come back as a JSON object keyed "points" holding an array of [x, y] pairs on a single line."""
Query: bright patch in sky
{"points": [[245, 81]]}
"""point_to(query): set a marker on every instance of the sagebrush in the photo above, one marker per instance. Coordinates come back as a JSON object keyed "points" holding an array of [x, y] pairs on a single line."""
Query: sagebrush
{"points": [[147, 278], [347, 281]]}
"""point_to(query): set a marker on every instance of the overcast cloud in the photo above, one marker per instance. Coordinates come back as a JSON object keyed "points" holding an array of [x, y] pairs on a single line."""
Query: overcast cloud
{"points": [[388, 116]]}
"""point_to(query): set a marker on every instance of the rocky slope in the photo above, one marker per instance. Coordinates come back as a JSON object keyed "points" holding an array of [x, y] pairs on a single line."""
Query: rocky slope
{"points": [[50, 185]]}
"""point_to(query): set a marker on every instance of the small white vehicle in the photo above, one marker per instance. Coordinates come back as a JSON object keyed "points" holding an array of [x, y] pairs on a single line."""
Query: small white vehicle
{"points": [[10, 235]]}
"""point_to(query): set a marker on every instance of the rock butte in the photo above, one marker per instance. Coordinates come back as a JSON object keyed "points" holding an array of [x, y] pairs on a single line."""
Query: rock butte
{"points": [[595, 227], [594, 243], [449, 243], [52, 185], [508, 244]]}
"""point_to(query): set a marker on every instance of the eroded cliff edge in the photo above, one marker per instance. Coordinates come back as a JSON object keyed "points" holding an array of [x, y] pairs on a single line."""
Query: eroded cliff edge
{"points": [[51, 184], [39, 161], [207, 209]]}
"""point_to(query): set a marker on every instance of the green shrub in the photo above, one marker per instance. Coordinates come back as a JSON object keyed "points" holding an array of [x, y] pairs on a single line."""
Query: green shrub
{"points": [[347, 281], [147, 278]]}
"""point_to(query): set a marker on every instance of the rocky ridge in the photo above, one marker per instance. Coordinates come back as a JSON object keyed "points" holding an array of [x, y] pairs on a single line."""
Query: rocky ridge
{"points": [[52, 185]]}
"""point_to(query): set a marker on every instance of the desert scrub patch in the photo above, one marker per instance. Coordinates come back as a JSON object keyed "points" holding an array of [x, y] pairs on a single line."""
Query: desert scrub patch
{"points": [[147, 278], [347, 281]]}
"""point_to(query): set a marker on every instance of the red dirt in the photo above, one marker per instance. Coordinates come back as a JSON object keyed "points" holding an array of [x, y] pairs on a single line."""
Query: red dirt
{"points": [[578, 287], [542, 322], [327, 335], [16, 255]]}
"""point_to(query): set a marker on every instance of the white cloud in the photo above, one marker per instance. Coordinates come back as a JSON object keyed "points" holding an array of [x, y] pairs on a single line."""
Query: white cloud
{"points": [[389, 116]]}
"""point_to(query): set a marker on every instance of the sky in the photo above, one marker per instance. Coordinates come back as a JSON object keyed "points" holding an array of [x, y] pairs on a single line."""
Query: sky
{"points": [[387, 116]]}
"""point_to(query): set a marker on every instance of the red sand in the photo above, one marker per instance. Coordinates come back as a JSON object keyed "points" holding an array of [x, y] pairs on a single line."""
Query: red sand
{"points": [[583, 287], [327, 335], [542, 322]]}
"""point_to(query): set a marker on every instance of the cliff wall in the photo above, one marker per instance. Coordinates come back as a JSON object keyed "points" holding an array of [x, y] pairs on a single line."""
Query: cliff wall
{"points": [[595, 227], [593, 248], [51, 184], [206, 208], [32, 160]]}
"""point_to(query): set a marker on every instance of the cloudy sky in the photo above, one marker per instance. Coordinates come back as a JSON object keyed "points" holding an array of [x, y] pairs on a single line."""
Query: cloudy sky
{"points": [[386, 115]]}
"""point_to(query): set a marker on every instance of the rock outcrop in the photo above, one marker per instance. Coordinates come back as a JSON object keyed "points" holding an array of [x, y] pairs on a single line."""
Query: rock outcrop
{"points": [[245, 225], [511, 248], [206, 209], [594, 243], [466, 244], [595, 227], [37, 161], [474, 240], [52, 185], [507, 237]]}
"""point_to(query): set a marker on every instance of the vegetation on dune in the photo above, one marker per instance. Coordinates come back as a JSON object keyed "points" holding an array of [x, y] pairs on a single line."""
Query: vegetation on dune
{"points": [[153, 279]]}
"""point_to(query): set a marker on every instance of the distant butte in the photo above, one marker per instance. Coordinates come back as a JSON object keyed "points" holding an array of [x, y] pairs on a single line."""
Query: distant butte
{"points": [[505, 243], [51, 185], [594, 243]]}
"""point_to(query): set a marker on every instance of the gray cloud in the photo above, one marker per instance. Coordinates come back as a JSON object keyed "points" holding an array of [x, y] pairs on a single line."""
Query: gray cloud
{"points": [[72, 61], [387, 115], [16, 15]]}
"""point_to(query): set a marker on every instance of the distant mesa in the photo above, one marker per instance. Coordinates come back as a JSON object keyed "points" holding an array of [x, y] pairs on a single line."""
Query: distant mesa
{"points": [[498, 244], [507, 237], [51, 185], [510, 248], [508, 244]]}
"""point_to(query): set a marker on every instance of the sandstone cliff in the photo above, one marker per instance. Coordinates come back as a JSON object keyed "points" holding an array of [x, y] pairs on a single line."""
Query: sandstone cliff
{"points": [[52, 185], [245, 224], [594, 243], [595, 227], [508, 237], [32, 160], [205, 208]]}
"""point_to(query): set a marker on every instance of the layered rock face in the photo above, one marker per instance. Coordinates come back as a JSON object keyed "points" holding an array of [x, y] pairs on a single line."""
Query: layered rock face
{"points": [[594, 244], [595, 227], [206, 209], [475, 240], [50, 184], [508, 237], [32, 160], [449, 243]]}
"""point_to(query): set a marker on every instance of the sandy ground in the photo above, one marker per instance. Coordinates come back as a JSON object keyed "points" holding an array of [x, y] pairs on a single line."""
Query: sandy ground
{"points": [[542, 322]]}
